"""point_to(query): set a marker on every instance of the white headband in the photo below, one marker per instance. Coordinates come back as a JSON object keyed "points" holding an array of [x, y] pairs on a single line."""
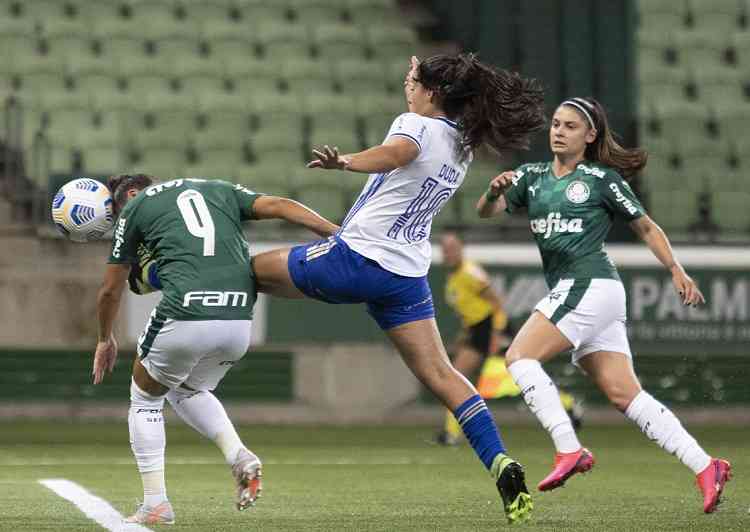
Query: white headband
{"points": [[582, 109]]}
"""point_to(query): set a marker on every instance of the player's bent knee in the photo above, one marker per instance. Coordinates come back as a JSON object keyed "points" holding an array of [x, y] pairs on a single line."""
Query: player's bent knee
{"points": [[620, 396]]}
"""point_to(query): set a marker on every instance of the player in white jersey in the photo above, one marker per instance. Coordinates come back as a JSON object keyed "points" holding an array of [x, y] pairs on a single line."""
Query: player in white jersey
{"points": [[382, 253]]}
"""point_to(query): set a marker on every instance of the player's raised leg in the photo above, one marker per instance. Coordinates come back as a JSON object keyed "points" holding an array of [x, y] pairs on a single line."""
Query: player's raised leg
{"points": [[422, 349], [538, 341], [614, 375]]}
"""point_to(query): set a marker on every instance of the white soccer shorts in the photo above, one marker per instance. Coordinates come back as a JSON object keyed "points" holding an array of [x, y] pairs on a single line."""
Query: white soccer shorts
{"points": [[590, 313], [195, 353]]}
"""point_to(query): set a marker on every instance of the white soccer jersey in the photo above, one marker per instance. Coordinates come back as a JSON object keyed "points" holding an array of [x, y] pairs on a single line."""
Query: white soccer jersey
{"points": [[391, 220]]}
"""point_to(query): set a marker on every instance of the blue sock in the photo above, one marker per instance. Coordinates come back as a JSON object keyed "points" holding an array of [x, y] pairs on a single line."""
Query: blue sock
{"points": [[480, 429]]}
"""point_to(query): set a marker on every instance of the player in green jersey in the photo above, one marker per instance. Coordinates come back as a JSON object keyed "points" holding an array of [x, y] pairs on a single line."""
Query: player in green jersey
{"points": [[192, 228], [571, 203]]}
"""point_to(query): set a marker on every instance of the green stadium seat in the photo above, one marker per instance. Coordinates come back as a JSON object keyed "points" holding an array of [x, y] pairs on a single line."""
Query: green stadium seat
{"points": [[226, 29], [662, 83], [701, 47], [717, 15], [199, 11], [40, 73], [396, 69], [664, 15], [357, 76], [673, 209], [327, 200], [176, 46], [307, 76], [269, 178], [97, 75], [116, 100], [716, 82], [39, 11], [164, 162], [680, 120], [368, 12], [221, 157], [270, 146], [730, 210], [260, 12], [106, 128], [230, 112], [314, 12], [392, 42], [158, 18], [378, 113], [234, 49], [103, 157], [741, 46], [278, 115], [200, 74], [67, 48], [339, 41], [209, 171], [732, 118], [280, 42], [252, 76], [101, 12], [121, 45]]}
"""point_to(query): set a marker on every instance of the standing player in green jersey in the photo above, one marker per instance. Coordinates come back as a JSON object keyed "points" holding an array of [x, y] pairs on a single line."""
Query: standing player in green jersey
{"points": [[571, 204], [192, 229]]}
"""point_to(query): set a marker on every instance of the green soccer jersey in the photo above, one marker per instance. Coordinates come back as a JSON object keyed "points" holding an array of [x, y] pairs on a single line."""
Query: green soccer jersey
{"points": [[571, 216], [193, 229]]}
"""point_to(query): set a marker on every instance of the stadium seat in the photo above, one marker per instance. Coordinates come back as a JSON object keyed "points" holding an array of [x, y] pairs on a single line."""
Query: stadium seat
{"points": [[98, 75], [103, 157], [270, 146], [722, 16], [716, 82], [339, 41], [730, 210], [251, 75], [378, 113], [213, 170], [368, 12], [279, 42], [278, 114], [679, 120], [701, 47], [732, 117], [664, 15], [164, 162], [392, 42], [200, 74], [307, 76], [261, 12], [358, 76], [67, 48], [741, 47], [673, 209], [227, 29], [158, 18], [269, 178], [331, 109], [199, 11], [175, 46], [221, 157], [40, 72], [39, 11], [315, 12]]}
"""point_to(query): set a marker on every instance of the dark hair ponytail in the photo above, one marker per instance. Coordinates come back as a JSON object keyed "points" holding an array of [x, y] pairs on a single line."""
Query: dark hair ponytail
{"points": [[489, 105], [605, 149]]}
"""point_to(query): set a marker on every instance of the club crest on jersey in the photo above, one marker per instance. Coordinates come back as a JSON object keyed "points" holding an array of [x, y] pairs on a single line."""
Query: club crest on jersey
{"points": [[577, 192]]}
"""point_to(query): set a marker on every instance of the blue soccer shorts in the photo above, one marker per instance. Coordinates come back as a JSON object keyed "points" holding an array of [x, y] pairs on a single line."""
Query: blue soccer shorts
{"points": [[330, 271]]}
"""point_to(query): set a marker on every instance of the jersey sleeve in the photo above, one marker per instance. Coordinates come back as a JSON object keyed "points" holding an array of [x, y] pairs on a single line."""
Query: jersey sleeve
{"points": [[411, 126], [619, 198], [516, 197], [245, 200], [126, 237]]}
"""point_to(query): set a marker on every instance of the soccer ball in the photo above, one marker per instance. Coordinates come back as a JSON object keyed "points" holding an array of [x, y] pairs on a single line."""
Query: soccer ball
{"points": [[82, 210]]}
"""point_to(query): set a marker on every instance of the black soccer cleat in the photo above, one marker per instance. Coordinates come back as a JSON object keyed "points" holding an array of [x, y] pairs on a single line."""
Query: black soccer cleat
{"points": [[511, 484]]}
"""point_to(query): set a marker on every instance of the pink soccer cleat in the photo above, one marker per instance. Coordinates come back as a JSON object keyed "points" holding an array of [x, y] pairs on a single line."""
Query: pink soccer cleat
{"points": [[567, 465], [711, 482]]}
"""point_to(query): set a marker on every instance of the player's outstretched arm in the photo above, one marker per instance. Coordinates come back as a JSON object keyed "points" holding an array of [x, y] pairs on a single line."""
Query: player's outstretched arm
{"points": [[393, 153], [492, 203], [107, 305], [657, 241], [273, 207]]}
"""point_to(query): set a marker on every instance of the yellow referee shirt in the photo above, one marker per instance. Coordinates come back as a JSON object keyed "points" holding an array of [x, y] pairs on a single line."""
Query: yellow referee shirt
{"points": [[463, 293]]}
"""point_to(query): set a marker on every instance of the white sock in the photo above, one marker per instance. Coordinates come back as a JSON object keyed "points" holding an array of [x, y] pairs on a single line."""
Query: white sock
{"points": [[203, 411], [147, 440], [660, 425], [543, 399]]}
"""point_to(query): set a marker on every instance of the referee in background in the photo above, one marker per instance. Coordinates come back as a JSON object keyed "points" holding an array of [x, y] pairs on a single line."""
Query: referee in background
{"points": [[484, 336]]}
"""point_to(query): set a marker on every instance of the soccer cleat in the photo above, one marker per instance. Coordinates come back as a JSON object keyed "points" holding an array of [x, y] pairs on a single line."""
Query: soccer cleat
{"points": [[711, 482], [567, 465], [247, 473], [510, 482], [161, 514]]}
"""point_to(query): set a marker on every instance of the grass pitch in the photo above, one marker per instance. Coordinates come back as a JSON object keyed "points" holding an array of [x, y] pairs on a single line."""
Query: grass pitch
{"points": [[362, 479]]}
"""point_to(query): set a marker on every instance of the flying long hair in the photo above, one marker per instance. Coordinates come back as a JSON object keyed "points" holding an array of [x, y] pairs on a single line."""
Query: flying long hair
{"points": [[605, 149], [490, 106]]}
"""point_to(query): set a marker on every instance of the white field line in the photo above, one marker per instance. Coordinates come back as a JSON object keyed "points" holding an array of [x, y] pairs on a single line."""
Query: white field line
{"points": [[94, 507], [197, 461]]}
